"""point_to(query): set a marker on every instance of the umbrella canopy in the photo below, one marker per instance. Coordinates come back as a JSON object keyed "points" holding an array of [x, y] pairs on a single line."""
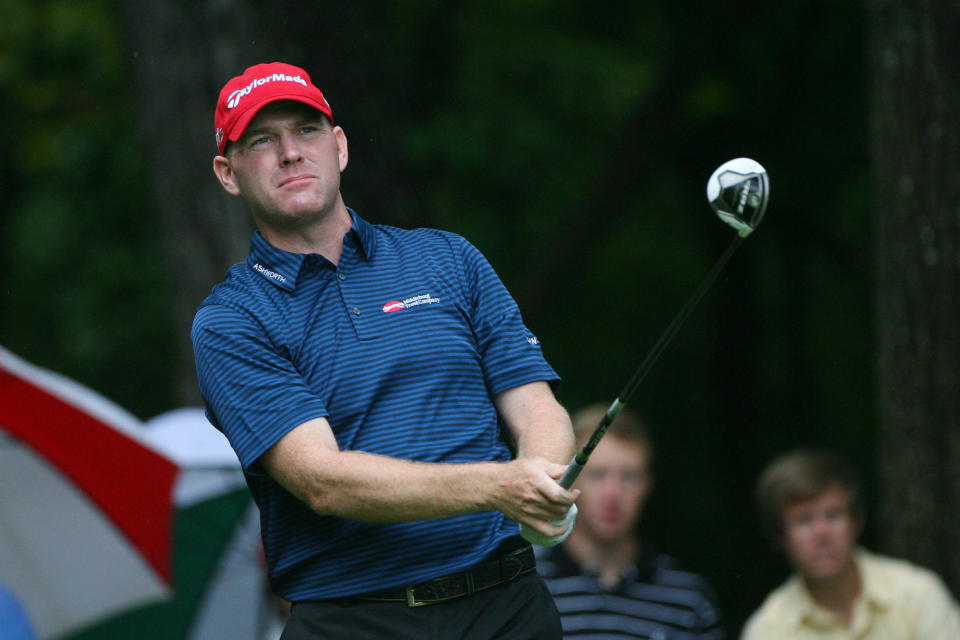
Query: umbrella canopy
{"points": [[111, 528], [219, 571], [85, 502]]}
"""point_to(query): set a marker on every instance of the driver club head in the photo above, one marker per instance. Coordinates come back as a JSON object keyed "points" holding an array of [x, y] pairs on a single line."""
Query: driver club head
{"points": [[739, 191]]}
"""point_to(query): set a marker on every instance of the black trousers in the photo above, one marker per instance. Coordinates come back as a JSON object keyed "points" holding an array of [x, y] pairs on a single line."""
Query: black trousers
{"points": [[519, 610]]}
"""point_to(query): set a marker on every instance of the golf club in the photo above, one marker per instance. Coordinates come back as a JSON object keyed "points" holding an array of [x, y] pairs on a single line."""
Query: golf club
{"points": [[738, 191]]}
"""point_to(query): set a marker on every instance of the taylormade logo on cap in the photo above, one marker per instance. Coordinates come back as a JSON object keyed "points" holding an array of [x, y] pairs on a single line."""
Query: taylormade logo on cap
{"points": [[243, 96], [234, 99]]}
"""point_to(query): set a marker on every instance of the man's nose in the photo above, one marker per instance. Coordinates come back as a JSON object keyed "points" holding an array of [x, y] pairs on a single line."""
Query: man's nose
{"points": [[289, 149], [821, 525]]}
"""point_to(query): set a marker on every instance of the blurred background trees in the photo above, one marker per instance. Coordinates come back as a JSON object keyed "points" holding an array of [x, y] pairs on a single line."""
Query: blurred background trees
{"points": [[914, 66], [571, 142], [83, 289]]}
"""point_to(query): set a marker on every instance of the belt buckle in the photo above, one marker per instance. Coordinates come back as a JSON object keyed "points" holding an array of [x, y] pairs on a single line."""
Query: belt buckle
{"points": [[441, 590], [412, 599]]}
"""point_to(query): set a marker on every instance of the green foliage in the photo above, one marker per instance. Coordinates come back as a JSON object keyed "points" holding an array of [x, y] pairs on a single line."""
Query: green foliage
{"points": [[535, 99], [83, 289]]}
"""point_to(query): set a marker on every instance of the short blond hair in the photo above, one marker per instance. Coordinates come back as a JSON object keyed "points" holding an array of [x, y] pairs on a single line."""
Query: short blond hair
{"points": [[627, 425]]}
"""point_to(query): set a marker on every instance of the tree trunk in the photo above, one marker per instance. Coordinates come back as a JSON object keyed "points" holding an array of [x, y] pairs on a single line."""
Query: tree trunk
{"points": [[179, 62], [915, 76]]}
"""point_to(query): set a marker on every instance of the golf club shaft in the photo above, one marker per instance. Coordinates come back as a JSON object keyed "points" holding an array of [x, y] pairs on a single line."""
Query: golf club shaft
{"points": [[580, 459]]}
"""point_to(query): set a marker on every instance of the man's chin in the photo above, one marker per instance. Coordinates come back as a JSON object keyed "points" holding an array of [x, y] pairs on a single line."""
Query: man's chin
{"points": [[825, 570], [610, 533], [293, 216]]}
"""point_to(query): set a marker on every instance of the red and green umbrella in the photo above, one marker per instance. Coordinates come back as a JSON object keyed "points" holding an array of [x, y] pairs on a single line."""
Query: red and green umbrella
{"points": [[106, 534]]}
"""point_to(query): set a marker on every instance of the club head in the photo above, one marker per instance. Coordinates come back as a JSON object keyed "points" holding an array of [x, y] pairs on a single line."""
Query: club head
{"points": [[738, 191]]}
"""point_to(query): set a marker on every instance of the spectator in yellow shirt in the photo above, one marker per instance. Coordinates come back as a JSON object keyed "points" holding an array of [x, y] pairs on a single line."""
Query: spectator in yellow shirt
{"points": [[811, 508]]}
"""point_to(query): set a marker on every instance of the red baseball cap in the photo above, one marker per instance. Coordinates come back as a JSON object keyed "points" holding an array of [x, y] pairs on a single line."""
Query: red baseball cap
{"points": [[243, 96]]}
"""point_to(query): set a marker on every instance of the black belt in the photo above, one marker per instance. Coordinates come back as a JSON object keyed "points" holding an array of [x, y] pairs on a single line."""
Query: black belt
{"points": [[485, 575]]}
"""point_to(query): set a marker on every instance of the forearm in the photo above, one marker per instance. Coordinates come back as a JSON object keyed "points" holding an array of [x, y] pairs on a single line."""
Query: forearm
{"points": [[538, 423], [373, 488], [551, 439]]}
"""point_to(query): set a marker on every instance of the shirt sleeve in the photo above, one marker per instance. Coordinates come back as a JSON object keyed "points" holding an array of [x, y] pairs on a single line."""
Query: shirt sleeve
{"points": [[938, 616], [711, 627], [510, 352], [751, 630], [253, 393], [765, 623]]}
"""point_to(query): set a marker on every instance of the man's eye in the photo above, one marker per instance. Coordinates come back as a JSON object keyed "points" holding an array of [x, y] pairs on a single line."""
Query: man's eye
{"points": [[260, 141], [835, 514]]}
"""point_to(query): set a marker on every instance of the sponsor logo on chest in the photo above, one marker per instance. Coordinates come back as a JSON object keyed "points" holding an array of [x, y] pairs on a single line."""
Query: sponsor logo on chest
{"points": [[406, 303]]}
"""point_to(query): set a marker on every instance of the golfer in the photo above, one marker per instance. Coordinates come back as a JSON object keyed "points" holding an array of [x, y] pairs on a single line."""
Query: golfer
{"points": [[393, 415]]}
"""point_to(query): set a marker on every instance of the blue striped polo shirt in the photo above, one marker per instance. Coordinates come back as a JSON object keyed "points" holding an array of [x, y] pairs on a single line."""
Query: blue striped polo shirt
{"points": [[401, 346]]}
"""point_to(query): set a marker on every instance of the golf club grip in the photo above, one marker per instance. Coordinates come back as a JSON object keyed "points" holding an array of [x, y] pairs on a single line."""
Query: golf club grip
{"points": [[580, 459], [570, 475]]}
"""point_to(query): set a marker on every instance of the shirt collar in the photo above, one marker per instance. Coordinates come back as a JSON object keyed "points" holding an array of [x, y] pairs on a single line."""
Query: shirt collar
{"points": [[806, 611], [877, 591], [641, 571], [282, 268], [365, 233]]}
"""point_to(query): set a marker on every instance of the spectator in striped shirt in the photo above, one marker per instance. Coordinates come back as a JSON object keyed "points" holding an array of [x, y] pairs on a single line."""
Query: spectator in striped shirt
{"points": [[606, 581], [362, 373]]}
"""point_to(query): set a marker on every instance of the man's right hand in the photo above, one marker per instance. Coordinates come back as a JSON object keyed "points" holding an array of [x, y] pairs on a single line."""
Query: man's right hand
{"points": [[527, 492]]}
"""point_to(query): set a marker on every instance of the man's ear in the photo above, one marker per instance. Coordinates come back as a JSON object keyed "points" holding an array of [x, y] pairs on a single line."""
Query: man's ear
{"points": [[342, 151], [224, 173]]}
